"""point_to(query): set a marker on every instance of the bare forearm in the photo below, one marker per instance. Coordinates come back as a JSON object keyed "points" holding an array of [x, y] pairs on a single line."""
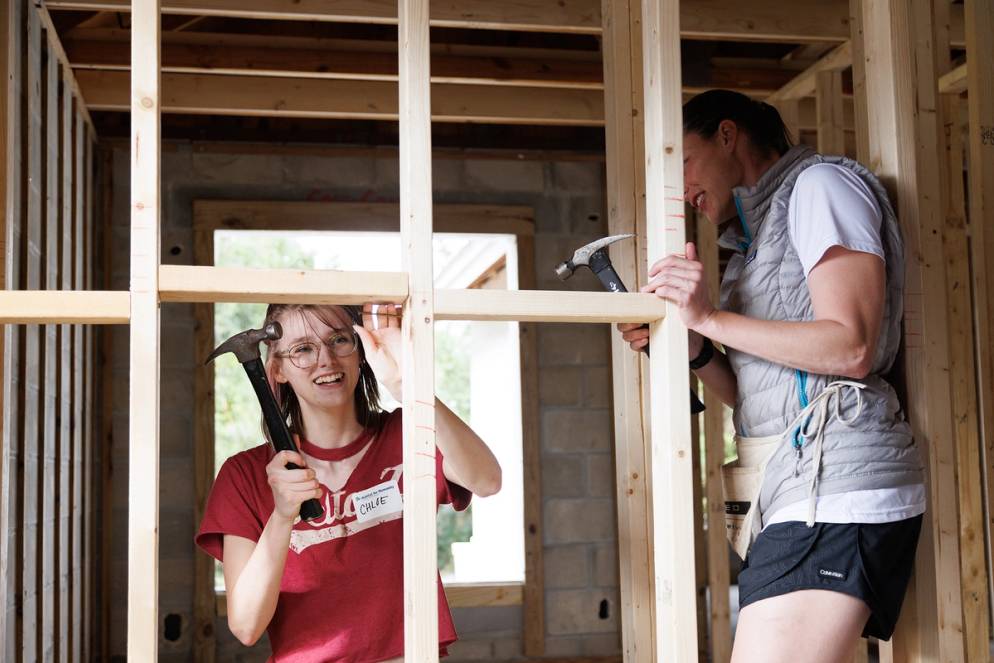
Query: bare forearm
{"points": [[819, 346], [253, 596], [468, 460], [719, 379]]}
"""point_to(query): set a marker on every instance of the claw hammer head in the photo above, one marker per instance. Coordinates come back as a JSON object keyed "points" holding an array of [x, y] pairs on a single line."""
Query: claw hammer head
{"points": [[581, 257], [245, 345]]}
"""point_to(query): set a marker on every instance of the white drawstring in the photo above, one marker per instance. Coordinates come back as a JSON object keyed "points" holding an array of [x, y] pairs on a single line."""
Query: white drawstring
{"points": [[810, 423]]}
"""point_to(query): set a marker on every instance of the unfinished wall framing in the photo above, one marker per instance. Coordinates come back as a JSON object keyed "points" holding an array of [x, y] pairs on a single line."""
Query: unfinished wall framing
{"points": [[897, 51], [47, 468]]}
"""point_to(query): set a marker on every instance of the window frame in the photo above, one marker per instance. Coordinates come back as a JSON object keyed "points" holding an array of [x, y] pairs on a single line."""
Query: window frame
{"points": [[212, 215]]}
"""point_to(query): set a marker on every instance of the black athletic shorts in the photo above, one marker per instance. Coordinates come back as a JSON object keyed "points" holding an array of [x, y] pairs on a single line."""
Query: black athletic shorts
{"points": [[871, 562]]}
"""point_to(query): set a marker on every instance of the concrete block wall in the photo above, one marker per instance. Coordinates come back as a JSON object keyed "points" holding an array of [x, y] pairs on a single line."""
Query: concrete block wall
{"points": [[581, 576]]}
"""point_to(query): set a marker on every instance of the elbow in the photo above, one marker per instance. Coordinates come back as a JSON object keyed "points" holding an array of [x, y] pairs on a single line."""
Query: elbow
{"points": [[859, 364], [245, 633], [491, 485]]}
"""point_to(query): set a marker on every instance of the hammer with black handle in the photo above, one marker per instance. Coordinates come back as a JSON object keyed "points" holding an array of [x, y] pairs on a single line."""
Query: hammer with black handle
{"points": [[245, 346], [594, 257]]}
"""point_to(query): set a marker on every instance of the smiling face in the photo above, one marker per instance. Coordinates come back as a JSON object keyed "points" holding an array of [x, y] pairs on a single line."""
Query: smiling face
{"points": [[711, 170], [328, 384]]}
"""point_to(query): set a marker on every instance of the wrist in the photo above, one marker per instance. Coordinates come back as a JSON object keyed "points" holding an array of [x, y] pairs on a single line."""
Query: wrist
{"points": [[704, 356]]}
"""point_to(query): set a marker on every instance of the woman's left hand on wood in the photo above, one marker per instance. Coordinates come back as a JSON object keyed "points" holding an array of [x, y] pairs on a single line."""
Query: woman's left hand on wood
{"points": [[681, 280]]}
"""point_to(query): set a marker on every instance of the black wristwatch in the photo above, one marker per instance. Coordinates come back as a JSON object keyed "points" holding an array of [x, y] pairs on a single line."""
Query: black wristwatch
{"points": [[704, 356]]}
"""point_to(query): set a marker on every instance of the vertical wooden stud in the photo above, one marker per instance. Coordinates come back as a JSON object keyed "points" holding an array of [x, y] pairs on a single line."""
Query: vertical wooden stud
{"points": [[49, 386], [714, 457], [828, 102], [65, 501], [671, 447], [420, 566], [78, 577], [980, 106], [11, 349], [143, 430], [859, 81], [625, 190], [32, 347], [534, 592], [904, 142]]}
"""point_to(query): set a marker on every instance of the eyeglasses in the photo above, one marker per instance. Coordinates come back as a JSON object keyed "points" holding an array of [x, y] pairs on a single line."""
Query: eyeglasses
{"points": [[305, 355]]}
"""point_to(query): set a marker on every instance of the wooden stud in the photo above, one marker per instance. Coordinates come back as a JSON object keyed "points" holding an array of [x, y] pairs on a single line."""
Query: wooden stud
{"points": [[809, 21], [12, 122], [76, 307], [955, 241], [625, 190], [49, 387], [547, 306], [204, 611], [143, 422], [860, 119], [533, 643], [714, 458], [420, 567], [79, 613], [671, 446], [828, 97], [805, 83], [230, 284], [64, 458], [980, 106], [340, 216], [954, 81], [904, 142], [30, 608], [101, 447]]}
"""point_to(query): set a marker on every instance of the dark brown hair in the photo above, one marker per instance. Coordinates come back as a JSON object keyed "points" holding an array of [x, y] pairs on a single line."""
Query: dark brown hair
{"points": [[368, 411], [758, 119]]}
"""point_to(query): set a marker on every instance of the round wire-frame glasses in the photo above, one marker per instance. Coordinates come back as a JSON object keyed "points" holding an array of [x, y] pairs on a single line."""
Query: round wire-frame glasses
{"points": [[305, 355]]}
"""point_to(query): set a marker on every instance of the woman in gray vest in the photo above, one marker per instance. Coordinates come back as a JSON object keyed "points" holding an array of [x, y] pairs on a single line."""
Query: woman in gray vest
{"points": [[829, 482]]}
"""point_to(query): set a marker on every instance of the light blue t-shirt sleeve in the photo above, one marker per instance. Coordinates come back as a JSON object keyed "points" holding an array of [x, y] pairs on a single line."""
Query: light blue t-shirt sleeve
{"points": [[832, 206]]}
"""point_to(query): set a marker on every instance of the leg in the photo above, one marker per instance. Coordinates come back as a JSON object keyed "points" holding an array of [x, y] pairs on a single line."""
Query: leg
{"points": [[817, 626]]}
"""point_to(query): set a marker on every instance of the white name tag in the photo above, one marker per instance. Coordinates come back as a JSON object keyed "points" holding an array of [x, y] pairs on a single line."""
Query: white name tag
{"points": [[380, 500]]}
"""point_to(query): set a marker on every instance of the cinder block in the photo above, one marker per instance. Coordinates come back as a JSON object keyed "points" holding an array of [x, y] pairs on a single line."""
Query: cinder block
{"points": [[387, 177], [577, 611], [563, 475], [576, 430], [579, 521], [606, 565], [507, 648], [550, 216], [598, 385], [588, 214], [562, 647], [447, 175], [505, 176], [600, 474], [575, 176], [560, 386], [571, 344], [486, 620], [264, 169], [567, 567], [608, 644], [471, 649]]}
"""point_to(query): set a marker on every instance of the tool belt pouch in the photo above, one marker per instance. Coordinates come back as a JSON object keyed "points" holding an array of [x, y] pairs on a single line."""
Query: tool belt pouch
{"points": [[742, 480]]}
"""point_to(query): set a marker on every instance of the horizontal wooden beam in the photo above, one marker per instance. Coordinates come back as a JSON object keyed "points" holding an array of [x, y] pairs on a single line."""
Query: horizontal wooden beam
{"points": [[81, 307], [803, 85], [803, 21], [547, 306], [481, 594], [213, 54], [371, 100], [281, 286], [954, 81], [367, 217]]}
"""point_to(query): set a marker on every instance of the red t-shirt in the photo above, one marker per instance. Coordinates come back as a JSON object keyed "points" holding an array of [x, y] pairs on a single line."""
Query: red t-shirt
{"points": [[341, 596]]}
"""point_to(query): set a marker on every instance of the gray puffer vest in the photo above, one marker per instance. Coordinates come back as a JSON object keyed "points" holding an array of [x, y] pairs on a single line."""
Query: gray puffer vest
{"points": [[765, 280]]}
